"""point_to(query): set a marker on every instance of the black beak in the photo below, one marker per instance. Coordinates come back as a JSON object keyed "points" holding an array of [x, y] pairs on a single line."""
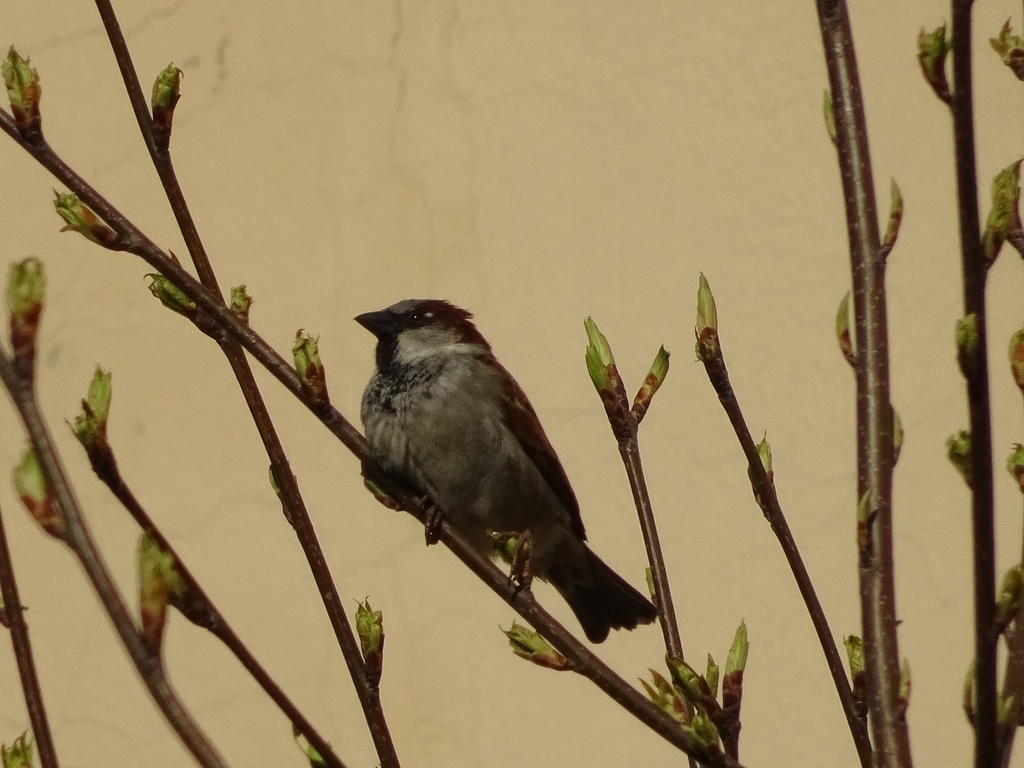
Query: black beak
{"points": [[380, 324]]}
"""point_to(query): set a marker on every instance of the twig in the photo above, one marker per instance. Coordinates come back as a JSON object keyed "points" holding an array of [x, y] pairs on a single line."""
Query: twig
{"points": [[134, 241], [80, 540], [202, 612], [764, 490], [624, 422], [294, 506], [874, 410], [23, 655], [583, 660], [629, 449], [982, 494]]}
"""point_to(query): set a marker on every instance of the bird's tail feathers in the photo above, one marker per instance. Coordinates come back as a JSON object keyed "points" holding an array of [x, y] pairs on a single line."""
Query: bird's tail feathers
{"points": [[600, 598]]}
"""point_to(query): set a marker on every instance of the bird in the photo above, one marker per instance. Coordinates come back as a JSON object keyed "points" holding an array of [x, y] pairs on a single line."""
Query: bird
{"points": [[445, 418]]}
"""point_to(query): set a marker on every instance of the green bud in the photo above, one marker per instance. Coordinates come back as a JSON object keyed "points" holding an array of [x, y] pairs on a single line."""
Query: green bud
{"points": [[600, 361], [371, 486], [892, 231], [1017, 358], [958, 450], [171, 296], [703, 730], [25, 291], [370, 628], [651, 590], [91, 423], [78, 217], [240, 303], [504, 545], [1010, 48], [307, 749], [36, 495], [664, 696], [904, 689], [707, 321], [843, 334], [529, 645], [854, 654], [686, 678], [864, 508], [865, 515], [652, 383], [24, 91], [897, 436], [1004, 216], [306, 353], [273, 482], [736, 661], [969, 700], [167, 88], [932, 50], [1004, 707], [19, 754], [159, 585], [966, 334], [764, 450], [711, 676], [1010, 598], [830, 117], [166, 92], [1015, 465]]}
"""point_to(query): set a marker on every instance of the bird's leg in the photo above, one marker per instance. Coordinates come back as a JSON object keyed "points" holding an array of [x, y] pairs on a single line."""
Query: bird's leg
{"points": [[520, 577], [432, 521]]}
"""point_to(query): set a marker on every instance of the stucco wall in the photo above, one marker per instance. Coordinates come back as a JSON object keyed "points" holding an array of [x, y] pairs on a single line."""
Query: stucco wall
{"points": [[536, 162]]}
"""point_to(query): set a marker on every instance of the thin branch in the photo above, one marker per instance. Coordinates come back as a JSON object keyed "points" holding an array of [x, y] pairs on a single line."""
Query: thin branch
{"points": [[202, 612], [982, 494], [624, 425], [630, 451], [874, 410], [523, 602], [293, 504], [764, 491], [23, 655], [583, 660], [78, 537]]}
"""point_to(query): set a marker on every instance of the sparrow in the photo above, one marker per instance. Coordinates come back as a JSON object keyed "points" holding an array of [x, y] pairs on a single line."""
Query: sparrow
{"points": [[444, 417]]}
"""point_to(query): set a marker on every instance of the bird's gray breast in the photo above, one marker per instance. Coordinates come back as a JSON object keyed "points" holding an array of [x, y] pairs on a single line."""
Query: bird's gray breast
{"points": [[445, 433]]}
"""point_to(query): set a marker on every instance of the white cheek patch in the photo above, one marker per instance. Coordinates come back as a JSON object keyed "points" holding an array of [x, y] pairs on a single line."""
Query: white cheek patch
{"points": [[422, 343]]}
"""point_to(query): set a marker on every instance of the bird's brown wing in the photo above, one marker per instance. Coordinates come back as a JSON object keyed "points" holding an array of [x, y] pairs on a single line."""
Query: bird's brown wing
{"points": [[523, 422]]}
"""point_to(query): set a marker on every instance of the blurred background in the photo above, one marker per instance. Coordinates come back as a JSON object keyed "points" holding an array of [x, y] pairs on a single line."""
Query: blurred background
{"points": [[535, 162]]}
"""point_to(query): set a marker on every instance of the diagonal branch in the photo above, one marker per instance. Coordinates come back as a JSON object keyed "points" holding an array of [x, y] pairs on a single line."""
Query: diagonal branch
{"points": [[874, 410], [293, 504], [764, 491], [78, 537], [23, 655], [199, 609], [523, 602]]}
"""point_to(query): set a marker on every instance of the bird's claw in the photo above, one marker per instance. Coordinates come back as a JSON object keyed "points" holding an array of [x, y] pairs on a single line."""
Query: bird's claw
{"points": [[432, 522], [520, 577]]}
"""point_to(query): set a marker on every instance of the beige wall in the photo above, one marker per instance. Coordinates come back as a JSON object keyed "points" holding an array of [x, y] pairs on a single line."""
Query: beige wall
{"points": [[536, 162]]}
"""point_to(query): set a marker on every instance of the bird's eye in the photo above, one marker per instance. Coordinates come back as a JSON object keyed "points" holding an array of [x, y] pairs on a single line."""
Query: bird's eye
{"points": [[415, 317]]}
